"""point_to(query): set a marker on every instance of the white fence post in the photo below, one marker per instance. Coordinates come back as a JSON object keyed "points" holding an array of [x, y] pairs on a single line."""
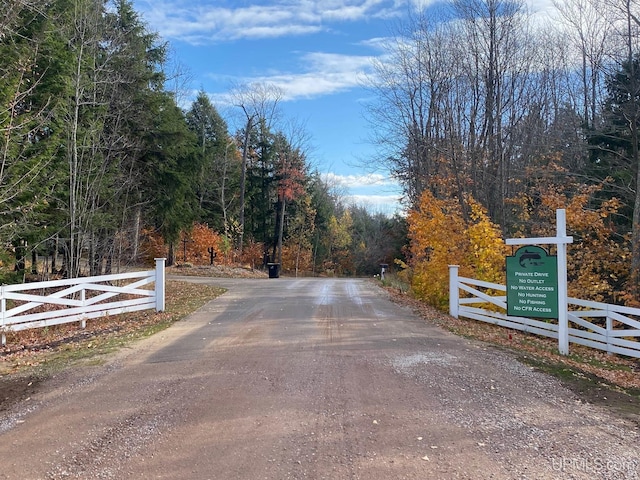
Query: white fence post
{"points": [[83, 299], [159, 287], [3, 309], [560, 240], [609, 326], [454, 291], [563, 307]]}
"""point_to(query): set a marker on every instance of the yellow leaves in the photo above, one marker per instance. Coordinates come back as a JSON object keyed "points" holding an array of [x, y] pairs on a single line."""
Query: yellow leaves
{"points": [[487, 246], [440, 237], [597, 269], [339, 242], [400, 263], [339, 230]]}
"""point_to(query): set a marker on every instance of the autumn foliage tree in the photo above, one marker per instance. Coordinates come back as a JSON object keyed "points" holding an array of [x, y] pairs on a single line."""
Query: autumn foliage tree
{"points": [[598, 266], [339, 240], [291, 174], [440, 236], [194, 246], [297, 252]]}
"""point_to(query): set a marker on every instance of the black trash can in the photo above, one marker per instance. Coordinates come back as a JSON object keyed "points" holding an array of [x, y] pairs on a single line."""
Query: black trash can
{"points": [[274, 270]]}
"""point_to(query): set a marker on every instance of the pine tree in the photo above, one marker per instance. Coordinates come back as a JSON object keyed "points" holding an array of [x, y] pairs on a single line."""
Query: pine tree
{"points": [[219, 166], [32, 79]]}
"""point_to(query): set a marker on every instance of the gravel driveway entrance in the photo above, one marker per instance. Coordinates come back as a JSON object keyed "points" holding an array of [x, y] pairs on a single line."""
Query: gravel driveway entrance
{"points": [[311, 379]]}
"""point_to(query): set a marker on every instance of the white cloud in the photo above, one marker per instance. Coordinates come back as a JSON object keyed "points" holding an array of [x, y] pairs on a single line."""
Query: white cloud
{"points": [[364, 191], [322, 74], [541, 6], [200, 23], [385, 204], [218, 21], [359, 181], [420, 5]]}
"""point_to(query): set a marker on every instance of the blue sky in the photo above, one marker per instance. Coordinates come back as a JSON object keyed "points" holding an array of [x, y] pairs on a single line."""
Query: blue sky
{"points": [[318, 52]]}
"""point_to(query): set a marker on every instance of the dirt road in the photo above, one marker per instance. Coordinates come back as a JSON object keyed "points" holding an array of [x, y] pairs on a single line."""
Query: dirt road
{"points": [[311, 379]]}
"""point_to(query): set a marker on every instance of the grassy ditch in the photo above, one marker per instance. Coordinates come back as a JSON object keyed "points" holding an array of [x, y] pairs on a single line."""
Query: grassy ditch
{"points": [[591, 387]]}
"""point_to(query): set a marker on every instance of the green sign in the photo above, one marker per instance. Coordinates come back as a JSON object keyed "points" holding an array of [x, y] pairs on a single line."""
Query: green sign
{"points": [[532, 283]]}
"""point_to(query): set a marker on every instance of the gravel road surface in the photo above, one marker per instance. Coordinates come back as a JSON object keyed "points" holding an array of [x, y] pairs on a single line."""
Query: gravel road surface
{"points": [[311, 379]]}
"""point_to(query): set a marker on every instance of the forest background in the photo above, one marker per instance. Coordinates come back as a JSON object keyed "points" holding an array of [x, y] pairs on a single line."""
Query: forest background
{"points": [[489, 118]]}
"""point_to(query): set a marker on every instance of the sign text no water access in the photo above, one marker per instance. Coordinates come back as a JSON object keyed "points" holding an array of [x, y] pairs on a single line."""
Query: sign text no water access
{"points": [[532, 283]]}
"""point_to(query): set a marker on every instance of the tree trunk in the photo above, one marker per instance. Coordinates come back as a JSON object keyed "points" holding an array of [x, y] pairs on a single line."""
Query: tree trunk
{"points": [[34, 262], [171, 255], [243, 180], [136, 234], [281, 229], [635, 159]]}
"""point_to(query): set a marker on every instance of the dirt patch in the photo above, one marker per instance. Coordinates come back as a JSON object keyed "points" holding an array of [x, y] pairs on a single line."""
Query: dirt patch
{"points": [[17, 388]]}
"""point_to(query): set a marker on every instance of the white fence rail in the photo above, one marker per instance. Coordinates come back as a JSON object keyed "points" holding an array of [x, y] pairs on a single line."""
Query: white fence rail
{"points": [[43, 304], [612, 328]]}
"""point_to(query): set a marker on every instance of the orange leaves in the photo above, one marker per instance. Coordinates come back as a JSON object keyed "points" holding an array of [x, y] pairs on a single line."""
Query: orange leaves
{"points": [[152, 246], [199, 242], [290, 168], [598, 258], [193, 246], [252, 253], [297, 259]]}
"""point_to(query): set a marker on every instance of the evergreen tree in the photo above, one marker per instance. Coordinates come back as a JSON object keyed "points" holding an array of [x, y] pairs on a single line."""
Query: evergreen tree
{"points": [[217, 155], [612, 152], [615, 158], [260, 193], [173, 169], [32, 79]]}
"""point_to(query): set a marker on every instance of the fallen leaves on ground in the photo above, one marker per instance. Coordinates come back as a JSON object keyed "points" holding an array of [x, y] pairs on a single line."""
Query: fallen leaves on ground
{"points": [[219, 271]]}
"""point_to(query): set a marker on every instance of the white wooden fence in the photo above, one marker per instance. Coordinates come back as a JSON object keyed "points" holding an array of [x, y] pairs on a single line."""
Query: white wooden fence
{"points": [[618, 330], [43, 304]]}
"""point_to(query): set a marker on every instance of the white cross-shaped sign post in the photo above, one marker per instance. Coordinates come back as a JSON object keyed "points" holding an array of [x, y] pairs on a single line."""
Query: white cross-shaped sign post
{"points": [[560, 241]]}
